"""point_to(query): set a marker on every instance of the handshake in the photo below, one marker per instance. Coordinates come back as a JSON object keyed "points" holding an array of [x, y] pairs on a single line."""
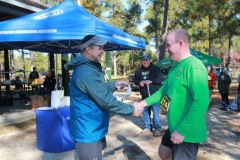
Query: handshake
{"points": [[138, 108]]}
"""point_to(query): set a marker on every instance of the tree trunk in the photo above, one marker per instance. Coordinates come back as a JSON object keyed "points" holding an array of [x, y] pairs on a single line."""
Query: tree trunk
{"points": [[24, 68], [115, 64], [12, 60], [164, 31], [157, 45], [230, 54], [155, 7], [211, 43], [221, 50], [31, 60]]}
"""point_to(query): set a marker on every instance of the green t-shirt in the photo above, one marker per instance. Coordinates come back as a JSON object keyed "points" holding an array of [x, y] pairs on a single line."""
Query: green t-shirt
{"points": [[187, 88]]}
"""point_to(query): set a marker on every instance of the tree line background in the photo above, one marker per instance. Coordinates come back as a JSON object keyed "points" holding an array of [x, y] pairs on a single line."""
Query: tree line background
{"points": [[214, 27]]}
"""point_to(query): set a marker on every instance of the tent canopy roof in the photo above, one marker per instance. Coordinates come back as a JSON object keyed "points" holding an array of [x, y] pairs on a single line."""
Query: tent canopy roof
{"points": [[60, 29], [204, 58]]}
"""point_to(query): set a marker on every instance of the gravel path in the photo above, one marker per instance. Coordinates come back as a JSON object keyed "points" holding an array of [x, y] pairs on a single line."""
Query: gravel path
{"points": [[125, 140]]}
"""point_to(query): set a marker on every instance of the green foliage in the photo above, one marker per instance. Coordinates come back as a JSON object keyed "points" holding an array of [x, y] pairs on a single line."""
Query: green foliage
{"points": [[126, 19], [51, 2], [237, 44], [114, 13], [133, 17], [194, 15], [197, 15], [154, 17], [92, 6]]}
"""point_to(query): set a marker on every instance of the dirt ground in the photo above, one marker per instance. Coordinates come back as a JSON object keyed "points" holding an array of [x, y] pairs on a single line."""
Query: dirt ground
{"points": [[125, 140]]}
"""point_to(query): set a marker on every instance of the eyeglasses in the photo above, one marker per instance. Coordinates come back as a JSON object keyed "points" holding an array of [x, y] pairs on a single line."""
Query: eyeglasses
{"points": [[169, 45]]}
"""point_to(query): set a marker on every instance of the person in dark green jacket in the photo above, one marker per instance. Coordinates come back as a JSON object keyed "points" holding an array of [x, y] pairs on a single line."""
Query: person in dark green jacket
{"points": [[185, 96], [92, 100], [224, 81]]}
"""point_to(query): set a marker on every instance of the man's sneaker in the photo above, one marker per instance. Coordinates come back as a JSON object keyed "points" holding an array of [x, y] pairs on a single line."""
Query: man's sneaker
{"points": [[145, 131], [28, 103], [152, 129], [223, 108], [157, 133], [226, 109]]}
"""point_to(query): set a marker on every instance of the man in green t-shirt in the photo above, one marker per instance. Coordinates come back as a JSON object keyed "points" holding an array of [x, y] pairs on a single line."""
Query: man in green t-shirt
{"points": [[185, 93]]}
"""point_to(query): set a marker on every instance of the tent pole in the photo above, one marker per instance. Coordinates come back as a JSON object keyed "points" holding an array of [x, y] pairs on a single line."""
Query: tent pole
{"points": [[6, 64], [7, 68], [24, 67], [108, 71], [51, 60], [65, 75]]}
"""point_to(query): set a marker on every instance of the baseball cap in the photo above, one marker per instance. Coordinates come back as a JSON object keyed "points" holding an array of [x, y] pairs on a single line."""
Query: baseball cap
{"points": [[145, 56], [92, 39]]}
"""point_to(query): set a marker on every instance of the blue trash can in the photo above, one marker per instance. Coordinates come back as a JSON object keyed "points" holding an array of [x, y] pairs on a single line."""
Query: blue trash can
{"points": [[53, 134]]}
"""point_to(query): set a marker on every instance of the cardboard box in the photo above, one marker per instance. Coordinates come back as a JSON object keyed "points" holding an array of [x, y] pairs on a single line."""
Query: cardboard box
{"points": [[38, 101]]}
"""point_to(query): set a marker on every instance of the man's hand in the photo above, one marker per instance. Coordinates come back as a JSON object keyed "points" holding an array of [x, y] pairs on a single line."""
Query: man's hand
{"points": [[141, 83], [121, 84], [176, 138], [138, 110], [145, 82], [142, 104]]}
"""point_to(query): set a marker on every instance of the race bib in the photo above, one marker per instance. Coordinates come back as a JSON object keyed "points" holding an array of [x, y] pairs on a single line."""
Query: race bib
{"points": [[164, 104]]}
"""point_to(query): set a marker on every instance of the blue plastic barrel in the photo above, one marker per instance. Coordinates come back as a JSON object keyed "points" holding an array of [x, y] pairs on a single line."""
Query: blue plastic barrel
{"points": [[53, 132]]}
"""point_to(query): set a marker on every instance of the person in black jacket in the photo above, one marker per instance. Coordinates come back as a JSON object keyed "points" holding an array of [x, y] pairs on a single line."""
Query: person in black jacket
{"points": [[32, 76], [224, 81], [20, 89], [48, 84], [149, 79]]}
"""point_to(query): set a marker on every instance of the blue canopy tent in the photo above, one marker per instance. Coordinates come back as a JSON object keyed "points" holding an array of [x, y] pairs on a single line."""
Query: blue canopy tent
{"points": [[60, 29]]}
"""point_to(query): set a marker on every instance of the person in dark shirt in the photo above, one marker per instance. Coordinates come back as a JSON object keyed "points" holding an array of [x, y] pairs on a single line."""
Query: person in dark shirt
{"points": [[32, 76], [19, 89], [149, 78], [48, 84], [18, 84], [224, 81]]}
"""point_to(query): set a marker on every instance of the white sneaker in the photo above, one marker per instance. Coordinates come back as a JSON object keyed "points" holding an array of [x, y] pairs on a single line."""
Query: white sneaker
{"points": [[28, 103]]}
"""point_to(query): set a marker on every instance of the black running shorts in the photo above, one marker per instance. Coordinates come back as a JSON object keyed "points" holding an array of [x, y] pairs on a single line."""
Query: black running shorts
{"points": [[183, 151], [90, 151]]}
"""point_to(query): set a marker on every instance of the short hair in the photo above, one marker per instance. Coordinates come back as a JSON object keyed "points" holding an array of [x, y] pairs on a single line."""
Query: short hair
{"points": [[182, 34]]}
